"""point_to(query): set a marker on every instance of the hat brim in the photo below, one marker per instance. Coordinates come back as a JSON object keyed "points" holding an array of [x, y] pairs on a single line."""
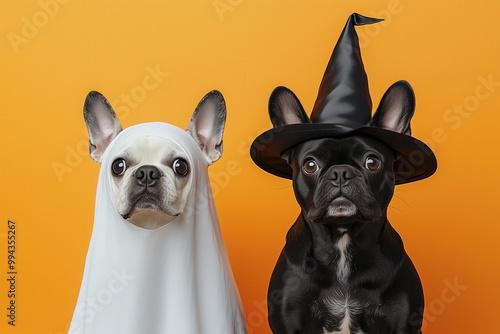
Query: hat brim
{"points": [[416, 161]]}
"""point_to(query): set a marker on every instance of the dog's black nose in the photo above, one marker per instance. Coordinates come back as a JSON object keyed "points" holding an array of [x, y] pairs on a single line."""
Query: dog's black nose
{"points": [[341, 175], [147, 176]]}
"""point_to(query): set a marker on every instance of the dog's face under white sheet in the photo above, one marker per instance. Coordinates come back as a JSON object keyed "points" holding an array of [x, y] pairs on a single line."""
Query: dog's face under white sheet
{"points": [[155, 205]]}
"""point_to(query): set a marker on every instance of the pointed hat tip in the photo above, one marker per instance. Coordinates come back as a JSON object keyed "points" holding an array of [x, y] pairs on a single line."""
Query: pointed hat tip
{"points": [[343, 96], [360, 20]]}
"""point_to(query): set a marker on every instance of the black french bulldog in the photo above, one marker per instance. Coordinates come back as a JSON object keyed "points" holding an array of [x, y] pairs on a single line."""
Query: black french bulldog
{"points": [[344, 268]]}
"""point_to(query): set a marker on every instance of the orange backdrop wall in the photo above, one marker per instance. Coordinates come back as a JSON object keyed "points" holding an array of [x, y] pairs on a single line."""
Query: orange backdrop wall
{"points": [[154, 60]]}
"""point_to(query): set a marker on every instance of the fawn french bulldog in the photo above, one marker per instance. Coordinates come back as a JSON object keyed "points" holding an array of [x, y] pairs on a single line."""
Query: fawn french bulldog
{"points": [[157, 262]]}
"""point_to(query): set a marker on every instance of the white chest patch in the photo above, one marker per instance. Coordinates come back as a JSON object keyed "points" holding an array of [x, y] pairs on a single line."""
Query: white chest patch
{"points": [[339, 303], [344, 328], [342, 305], [343, 265]]}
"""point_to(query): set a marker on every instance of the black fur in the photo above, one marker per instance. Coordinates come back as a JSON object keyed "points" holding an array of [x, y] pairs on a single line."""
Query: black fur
{"points": [[382, 287]]}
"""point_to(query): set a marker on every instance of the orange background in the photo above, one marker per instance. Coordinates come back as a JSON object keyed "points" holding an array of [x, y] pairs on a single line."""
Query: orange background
{"points": [[446, 50]]}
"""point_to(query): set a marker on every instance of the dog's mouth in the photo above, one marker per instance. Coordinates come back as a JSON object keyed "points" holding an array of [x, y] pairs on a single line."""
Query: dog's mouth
{"points": [[147, 212], [341, 207], [341, 210], [145, 202]]}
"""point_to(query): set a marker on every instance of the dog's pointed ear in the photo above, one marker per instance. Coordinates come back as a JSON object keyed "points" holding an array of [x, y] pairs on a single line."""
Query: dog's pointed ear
{"points": [[207, 125], [396, 109], [285, 108], [102, 124]]}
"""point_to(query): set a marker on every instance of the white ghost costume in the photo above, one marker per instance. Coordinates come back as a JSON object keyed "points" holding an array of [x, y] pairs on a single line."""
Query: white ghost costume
{"points": [[172, 280]]}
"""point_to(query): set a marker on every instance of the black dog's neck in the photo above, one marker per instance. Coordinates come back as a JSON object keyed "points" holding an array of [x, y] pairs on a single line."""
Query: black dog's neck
{"points": [[362, 234], [316, 248]]}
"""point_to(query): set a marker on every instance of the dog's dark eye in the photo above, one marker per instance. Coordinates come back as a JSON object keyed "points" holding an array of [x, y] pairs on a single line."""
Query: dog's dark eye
{"points": [[118, 167], [372, 163], [310, 166], [180, 167]]}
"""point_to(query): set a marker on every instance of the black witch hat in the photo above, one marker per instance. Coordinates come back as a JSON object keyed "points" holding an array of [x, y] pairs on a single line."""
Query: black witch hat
{"points": [[343, 108]]}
